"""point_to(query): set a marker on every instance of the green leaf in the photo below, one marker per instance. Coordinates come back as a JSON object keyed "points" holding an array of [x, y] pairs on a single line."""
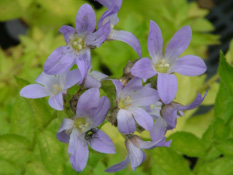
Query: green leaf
{"points": [[9, 10], [52, 152], [36, 168], [188, 144], [6, 168], [226, 147], [169, 161], [14, 148], [221, 130]]}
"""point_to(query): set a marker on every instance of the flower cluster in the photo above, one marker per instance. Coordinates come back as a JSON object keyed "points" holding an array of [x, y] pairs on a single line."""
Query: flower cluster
{"points": [[139, 105]]}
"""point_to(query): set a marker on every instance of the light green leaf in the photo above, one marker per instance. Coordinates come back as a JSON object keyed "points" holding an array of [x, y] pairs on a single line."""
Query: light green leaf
{"points": [[226, 147], [188, 144], [37, 168], [6, 168], [221, 130], [9, 10]]}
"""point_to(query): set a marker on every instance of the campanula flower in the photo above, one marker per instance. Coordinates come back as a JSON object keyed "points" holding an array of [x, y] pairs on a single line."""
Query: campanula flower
{"points": [[164, 64], [82, 130], [52, 85]]}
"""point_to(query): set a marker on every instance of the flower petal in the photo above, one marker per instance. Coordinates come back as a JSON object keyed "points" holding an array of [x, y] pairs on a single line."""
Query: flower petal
{"points": [[44, 79], [84, 63], [72, 78], [158, 130], [85, 19], [142, 117], [91, 82], [34, 91], [99, 114], [178, 43], [167, 87], [190, 65], [102, 143], [143, 68], [67, 31], [106, 3], [125, 122], [170, 115], [144, 96], [78, 151], [155, 42], [56, 101], [146, 144], [97, 38], [59, 61], [118, 86], [120, 166], [128, 38], [133, 84], [135, 154], [98, 75], [62, 136]]}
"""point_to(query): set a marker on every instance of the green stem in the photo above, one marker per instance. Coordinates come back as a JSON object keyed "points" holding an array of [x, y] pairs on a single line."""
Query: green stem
{"points": [[212, 80]]}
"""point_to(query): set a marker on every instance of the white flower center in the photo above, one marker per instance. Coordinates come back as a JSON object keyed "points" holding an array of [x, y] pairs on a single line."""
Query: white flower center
{"points": [[82, 124], [56, 89], [77, 43]]}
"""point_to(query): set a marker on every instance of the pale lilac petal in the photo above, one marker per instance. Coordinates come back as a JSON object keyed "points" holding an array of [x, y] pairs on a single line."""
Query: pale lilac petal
{"points": [[99, 114], [84, 63], [108, 16], [44, 78], [133, 84], [98, 75], [167, 87], [56, 101], [135, 154], [125, 122], [143, 68], [158, 130], [91, 82], [198, 100], [164, 143], [128, 38], [62, 134], [146, 144], [85, 19], [34, 91], [120, 166], [118, 86], [190, 65], [106, 3], [155, 42], [178, 43], [87, 101], [72, 78], [97, 38], [67, 31], [78, 151], [142, 117], [59, 61], [102, 143], [170, 115], [144, 96]]}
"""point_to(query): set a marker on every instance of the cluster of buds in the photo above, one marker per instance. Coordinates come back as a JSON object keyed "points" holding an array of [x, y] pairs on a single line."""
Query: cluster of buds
{"points": [[138, 105]]}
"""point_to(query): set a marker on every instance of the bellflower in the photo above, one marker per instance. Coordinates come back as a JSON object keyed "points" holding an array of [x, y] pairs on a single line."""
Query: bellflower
{"points": [[94, 78], [82, 131], [130, 99], [164, 64], [135, 154], [113, 7], [79, 42], [53, 86]]}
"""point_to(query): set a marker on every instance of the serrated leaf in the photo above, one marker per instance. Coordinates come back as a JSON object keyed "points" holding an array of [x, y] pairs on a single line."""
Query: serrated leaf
{"points": [[188, 144], [14, 148]]}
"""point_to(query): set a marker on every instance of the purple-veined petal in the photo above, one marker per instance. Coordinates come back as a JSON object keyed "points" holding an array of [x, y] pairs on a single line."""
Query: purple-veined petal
{"points": [[60, 60], [170, 115], [120, 166], [91, 82], [72, 78], [56, 101], [34, 91], [128, 38], [143, 159], [78, 151], [133, 84], [62, 136], [143, 68], [97, 38], [144, 96], [67, 31], [106, 3], [125, 122], [155, 42], [99, 114], [155, 109], [98, 75], [190, 65], [118, 86], [102, 143], [178, 43], [44, 78], [158, 130], [135, 154], [88, 102], [146, 144], [164, 143], [167, 87], [84, 63], [85, 19], [142, 117]]}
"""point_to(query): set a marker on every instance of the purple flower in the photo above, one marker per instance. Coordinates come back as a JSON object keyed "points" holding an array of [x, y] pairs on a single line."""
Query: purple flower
{"points": [[79, 42], [165, 64], [82, 131], [94, 78], [113, 7], [53, 86], [130, 100], [135, 154]]}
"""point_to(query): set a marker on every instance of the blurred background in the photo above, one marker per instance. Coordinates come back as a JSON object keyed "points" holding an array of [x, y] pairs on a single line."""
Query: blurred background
{"points": [[29, 33]]}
